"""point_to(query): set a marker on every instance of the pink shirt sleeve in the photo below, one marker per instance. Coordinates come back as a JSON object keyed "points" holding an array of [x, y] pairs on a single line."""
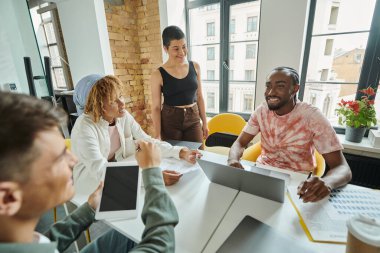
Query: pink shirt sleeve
{"points": [[252, 127], [324, 137]]}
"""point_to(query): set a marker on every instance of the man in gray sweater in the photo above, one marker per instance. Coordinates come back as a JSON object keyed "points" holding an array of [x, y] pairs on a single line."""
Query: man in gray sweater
{"points": [[36, 175]]}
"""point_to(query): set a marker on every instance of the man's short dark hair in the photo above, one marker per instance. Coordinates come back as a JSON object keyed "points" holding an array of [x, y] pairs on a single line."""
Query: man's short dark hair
{"points": [[171, 33], [22, 117], [291, 72]]}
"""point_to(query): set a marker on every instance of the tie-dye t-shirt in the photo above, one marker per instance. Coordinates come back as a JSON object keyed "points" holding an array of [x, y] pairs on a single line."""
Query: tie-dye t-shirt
{"points": [[288, 141]]}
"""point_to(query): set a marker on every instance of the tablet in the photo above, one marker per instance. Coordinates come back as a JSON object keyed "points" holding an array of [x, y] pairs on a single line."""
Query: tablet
{"points": [[120, 196]]}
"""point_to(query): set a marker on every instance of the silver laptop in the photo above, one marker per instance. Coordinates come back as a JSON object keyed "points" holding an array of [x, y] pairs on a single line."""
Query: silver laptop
{"points": [[261, 182], [188, 144], [253, 236]]}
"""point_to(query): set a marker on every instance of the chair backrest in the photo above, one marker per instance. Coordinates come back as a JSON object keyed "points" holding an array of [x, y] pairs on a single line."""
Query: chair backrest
{"points": [[68, 143], [321, 165], [253, 152], [224, 129], [226, 123]]}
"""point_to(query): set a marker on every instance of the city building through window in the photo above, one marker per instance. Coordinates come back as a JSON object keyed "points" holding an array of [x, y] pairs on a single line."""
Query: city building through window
{"points": [[230, 65], [211, 29], [251, 24], [334, 58]]}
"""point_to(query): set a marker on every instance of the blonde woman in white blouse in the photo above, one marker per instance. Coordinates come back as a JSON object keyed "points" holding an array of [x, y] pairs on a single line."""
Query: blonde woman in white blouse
{"points": [[107, 132]]}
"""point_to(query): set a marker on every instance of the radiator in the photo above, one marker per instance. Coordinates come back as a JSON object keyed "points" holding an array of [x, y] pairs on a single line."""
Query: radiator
{"points": [[365, 170]]}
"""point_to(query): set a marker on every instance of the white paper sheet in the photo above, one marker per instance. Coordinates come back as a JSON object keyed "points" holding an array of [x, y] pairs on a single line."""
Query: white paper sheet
{"points": [[180, 166], [326, 219]]}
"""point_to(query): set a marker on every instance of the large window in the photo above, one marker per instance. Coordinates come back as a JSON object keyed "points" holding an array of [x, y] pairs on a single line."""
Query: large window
{"points": [[235, 43], [337, 41], [47, 27]]}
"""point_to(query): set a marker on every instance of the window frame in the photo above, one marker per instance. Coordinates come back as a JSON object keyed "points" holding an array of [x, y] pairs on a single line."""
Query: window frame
{"points": [[369, 73], [59, 43], [224, 46]]}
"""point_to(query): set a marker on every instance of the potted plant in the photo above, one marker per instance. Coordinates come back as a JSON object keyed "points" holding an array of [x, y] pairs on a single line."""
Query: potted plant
{"points": [[358, 115]]}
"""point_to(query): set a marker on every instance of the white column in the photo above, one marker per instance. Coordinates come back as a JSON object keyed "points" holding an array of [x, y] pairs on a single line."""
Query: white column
{"points": [[86, 38], [282, 35]]}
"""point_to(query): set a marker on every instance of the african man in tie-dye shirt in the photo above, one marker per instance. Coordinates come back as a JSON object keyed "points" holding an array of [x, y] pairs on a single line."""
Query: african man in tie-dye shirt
{"points": [[290, 131]]}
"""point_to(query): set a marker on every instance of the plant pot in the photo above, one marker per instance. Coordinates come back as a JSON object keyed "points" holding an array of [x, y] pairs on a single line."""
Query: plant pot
{"points": [[355, 134]]}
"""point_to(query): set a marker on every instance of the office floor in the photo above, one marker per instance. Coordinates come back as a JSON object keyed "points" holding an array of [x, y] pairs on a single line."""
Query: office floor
{"points": [[47, 220]]}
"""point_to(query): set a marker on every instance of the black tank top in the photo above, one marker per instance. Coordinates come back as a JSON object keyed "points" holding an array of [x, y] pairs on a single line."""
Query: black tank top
{"points": [[179, 91]]}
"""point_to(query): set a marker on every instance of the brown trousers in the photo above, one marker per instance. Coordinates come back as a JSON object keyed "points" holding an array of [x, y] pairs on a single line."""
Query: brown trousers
{"points": [[181, 124]]}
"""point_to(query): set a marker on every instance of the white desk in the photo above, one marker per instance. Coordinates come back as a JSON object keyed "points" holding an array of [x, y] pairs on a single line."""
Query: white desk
{"points": [[208, 213], [201, 205], [281, 217]]}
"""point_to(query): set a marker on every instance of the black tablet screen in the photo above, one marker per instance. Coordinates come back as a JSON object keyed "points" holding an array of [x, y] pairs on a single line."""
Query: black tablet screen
{"points": [[120, 188]]}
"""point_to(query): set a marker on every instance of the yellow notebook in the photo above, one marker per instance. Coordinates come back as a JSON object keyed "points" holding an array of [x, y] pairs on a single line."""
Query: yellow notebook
{"points": [[304, 227], [325, 221]]}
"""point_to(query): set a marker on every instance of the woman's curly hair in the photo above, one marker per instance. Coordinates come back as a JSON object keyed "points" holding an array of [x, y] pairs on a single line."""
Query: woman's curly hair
{"points": [[104, 88]]}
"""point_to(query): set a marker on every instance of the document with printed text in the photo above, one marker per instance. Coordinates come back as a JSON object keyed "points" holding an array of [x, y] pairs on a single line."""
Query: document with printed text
{"points": [[325, 220]]}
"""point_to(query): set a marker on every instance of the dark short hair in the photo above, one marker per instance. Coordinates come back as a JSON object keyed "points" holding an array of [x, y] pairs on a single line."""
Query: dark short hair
{"points": [[171, 33], [291, 72], [22, 117]]}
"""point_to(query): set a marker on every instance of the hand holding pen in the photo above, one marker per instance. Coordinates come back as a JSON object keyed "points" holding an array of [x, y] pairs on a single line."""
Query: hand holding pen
{"points": [[306, 180], [313, 189]]}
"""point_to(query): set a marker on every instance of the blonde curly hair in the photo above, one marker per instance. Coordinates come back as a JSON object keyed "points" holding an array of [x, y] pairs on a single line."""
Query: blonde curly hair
{"points": [[103, 89]]}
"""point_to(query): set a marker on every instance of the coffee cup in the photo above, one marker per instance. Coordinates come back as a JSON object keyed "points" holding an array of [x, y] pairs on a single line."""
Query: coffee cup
{"points": [[363, 235]]}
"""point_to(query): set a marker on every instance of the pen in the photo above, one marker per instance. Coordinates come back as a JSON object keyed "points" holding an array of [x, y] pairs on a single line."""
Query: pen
{"points": [[306, 179], [138, 147]]}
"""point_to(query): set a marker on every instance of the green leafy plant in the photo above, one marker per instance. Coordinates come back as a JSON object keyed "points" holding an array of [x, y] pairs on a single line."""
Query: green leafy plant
{"points": [[358, 113]]}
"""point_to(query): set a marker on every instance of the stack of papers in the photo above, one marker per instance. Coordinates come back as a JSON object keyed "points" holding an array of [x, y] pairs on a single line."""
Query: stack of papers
{"points": [[325, 220]]}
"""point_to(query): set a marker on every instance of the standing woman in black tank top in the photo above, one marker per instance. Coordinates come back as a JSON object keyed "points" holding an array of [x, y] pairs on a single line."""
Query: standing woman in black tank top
{"points": [[179, 81]]}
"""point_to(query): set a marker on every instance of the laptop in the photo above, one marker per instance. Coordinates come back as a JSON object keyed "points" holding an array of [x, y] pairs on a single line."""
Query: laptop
{"points": [[188, 144], [253, 236], [261, 182]]}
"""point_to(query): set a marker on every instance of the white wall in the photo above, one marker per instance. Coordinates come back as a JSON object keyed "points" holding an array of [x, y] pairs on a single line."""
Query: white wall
{"points": [[172, 12], [86, 38], [281, 40], [17, 40]]}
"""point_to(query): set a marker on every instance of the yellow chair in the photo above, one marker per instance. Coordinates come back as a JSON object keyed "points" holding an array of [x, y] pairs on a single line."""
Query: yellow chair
{"points": [[229, 126], [68, 143], [253, 152], [229, 123], [88, 236]]}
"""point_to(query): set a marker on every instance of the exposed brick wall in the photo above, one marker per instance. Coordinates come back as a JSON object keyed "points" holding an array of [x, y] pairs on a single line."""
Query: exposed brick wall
{"points": [[135, 40]]}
